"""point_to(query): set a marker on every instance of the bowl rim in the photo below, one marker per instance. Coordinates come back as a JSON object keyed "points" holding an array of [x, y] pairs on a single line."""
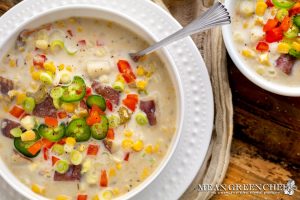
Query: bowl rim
{"points": [[245, 69], [15, 183]]}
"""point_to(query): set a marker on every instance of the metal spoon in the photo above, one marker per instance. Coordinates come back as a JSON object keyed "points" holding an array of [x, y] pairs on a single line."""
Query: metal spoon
{"points": [[215, 16]]}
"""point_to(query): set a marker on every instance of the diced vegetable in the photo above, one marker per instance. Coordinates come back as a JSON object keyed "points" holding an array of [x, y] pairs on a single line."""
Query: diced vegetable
{"points": [[94, 116], [16, 111], [138, 146], [283, 48], [82, 197], [78, 129], [274, 35], [109, 105], [114, 121], [92, 150], [271, 23], [51, 122], [131, 101], [39, 60], [283, 3], [294, 53], [28, 122], [260, 8], [62, 115], [292, 32], [103, 179], [141, 118], [74, 92], [68, 107], [58, 149], [46, 153], [97, 100], [296, 20], [60, 44], [281, 14], [54, 160], [107, 195], [99, 130], [56, 92], [110, 134], [286, 23], [28, 136], [70, 141], [46, 78], [119, 86], [295, 9], [126, 71], [29, 104], [61, 166], [38, 189], [76, 157], [50, 67], [16, 132], [52, 133], [124, 115]]}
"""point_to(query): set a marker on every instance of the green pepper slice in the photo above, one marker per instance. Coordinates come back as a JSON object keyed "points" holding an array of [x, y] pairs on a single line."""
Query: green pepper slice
{"points": [[52, 134], [22, 147], [78, 129], [296, 20], [283, 3], [97, 100], [99, 130], [75, 91], [292, 32]]}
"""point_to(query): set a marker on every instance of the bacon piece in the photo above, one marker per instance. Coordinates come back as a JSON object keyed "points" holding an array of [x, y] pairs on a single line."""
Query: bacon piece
{"points": [[5, 85], [45, 109], [7, 125], [149, 108], [285, 63], [73, 174], [107, 92]]}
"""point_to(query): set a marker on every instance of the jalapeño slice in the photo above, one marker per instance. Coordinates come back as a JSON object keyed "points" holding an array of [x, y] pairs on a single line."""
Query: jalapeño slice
{"points": [[52, 134], [75, 91], [99, 130], [97, 100], [22, 147], [79, 129]]}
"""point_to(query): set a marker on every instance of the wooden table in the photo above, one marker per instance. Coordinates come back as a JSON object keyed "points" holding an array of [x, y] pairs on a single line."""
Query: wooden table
{"points": [[266, 144]]}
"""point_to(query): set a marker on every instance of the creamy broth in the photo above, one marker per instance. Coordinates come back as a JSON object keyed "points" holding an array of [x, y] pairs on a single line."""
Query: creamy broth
{"points": [[91, 50], [248, 21]]}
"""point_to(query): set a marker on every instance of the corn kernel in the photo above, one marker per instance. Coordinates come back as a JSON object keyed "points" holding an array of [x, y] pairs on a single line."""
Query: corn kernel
{"points": [[79, 29], [245, 25], [248, 53], [283, 47], [116, 191], [61, 67], [37, 189], [20, 98], [119, 166], [32, 69], [120, 78], [141, 85], [41, 44], [28, 136], [69, 68], [128, 133], [71, 141], [60, 24], [259, 21], [36, 75], [127, 143], [264, 59], [112, 172], [296, 46], [63, 197], [260, 71], [156, 148], [12, 63], [145, 173], [49, 66], [82, 148], [261, 8], [140, 71], [68, 107], [72, 20], [96, 197], [138, 145], [149, 149]]}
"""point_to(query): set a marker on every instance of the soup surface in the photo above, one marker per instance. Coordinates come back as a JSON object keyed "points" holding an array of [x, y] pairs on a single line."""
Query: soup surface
{"points": [[266, 34], [79, 118]]}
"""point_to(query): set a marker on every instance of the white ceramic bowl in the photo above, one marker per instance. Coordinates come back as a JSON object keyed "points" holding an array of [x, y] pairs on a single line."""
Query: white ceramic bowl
{"points": [[245, 68], [131, 24]]}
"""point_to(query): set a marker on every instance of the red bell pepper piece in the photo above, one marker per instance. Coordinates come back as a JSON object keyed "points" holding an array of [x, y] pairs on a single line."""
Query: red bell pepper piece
{"points": [[110, 134], [126, 71], [82, 197], [47, 143], [39, 60], [51, 122], [46, 153], [35, 148], [271, 23], [131, 101], [94, 116], [126, 158], [269, 3], [16, 111], [92, 150], [262, 46], [274, 35], [103, 179], [295, 9], [88, 92], [54, 160], [62, 114], [109, 105], [285, 24], [62, 141]]}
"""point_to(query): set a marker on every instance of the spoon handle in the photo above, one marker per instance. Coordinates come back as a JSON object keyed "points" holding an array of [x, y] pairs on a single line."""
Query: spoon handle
{"points": [[214, 16]]}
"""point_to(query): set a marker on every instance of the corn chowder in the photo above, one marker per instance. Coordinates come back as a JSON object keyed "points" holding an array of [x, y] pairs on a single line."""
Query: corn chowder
{"points": [[79, 118], [266, 34]]}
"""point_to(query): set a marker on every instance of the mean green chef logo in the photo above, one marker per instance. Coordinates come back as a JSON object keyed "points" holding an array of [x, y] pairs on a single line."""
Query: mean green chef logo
{"points": [[288, 188]]}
